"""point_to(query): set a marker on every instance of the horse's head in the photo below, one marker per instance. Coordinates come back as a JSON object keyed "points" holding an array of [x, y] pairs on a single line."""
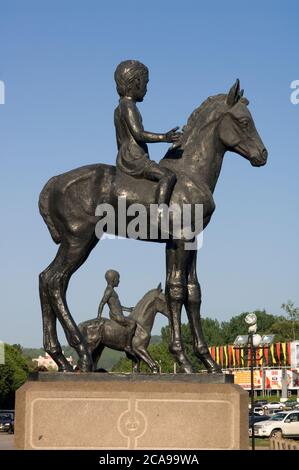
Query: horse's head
{"points": [[237, 131], [152, 302]]}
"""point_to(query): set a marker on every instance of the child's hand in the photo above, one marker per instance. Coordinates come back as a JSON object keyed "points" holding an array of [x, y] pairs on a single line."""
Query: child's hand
{"points": [[174, 137]]}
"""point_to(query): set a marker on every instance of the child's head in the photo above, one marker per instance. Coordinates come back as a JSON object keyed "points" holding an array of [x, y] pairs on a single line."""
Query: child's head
{"points": [[131, 78], [112, 277]]}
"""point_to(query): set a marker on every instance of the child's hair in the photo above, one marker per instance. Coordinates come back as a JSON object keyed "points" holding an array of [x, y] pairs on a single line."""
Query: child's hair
{"points": [[110, 275], [126, 72]]}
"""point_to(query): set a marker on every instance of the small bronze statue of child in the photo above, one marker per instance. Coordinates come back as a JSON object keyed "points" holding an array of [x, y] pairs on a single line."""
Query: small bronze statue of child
{"points": [[111, 298]]}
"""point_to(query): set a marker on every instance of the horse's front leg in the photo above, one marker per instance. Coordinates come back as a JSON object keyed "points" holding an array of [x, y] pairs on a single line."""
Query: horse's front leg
{"points": [[192, 305], [175, 293], [141, 353]]}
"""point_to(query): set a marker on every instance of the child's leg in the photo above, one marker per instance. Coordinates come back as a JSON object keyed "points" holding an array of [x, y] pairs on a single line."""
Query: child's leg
{"points": [[132, 328], [130, 325], [166, 179]]}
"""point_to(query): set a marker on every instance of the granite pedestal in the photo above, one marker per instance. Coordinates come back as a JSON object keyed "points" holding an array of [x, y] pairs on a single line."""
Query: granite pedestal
{"points": [[124, 411]]}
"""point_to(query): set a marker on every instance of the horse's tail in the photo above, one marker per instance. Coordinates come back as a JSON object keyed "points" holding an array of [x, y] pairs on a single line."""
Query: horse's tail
{"points": [[44, 208]]}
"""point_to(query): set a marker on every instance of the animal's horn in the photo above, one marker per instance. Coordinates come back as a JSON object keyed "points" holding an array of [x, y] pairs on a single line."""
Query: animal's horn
{"points": [[159, 287]]}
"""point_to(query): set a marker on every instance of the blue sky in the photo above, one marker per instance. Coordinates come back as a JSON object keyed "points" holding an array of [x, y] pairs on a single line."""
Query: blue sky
{"points": [[57, 60]]}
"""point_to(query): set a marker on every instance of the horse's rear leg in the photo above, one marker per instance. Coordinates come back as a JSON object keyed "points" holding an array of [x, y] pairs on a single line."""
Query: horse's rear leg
{"points": [[71, 255], [51, 343], [96, 354], [136, 365]]}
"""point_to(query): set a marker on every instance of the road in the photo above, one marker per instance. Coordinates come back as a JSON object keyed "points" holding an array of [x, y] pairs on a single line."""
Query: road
{"points": [[6, 441]]}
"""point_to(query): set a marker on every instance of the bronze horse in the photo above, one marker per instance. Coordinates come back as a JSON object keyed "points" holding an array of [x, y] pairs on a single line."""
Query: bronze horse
{"points": [[101, 333], [68, 203]]}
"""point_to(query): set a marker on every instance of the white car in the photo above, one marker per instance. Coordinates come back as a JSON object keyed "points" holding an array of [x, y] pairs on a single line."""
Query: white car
{"points": [[281, 424], [274, 405]]}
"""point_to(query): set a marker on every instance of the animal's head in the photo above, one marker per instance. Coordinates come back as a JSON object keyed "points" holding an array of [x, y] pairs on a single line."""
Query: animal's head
{"points": [[154, 299], [237, 131]]}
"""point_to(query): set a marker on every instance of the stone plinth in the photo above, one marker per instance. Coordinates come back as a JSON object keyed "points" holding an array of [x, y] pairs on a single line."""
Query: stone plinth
{"points": [[112, 411]]}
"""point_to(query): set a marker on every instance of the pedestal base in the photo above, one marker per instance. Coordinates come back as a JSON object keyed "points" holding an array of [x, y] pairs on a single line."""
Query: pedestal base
{"points": [[125, 413]]}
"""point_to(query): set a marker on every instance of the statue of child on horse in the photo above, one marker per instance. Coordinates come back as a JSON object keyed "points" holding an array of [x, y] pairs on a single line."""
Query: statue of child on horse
{"points": [[131, 333]]}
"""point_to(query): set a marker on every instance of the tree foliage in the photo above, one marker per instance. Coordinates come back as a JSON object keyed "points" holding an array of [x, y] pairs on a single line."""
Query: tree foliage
{"points": [[216, 334], [12, 374], [293, 315]]}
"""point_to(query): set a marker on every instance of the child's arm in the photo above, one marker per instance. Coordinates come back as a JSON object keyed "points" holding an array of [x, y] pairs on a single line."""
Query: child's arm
{"points": [[106, 297], [134, 123]]}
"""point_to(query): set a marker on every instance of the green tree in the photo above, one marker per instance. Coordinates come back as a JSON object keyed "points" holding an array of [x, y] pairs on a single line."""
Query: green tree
{"points": [[237, 326], [293, 314], [284, 330], [12, 375], [216, 334], [213, 331]]}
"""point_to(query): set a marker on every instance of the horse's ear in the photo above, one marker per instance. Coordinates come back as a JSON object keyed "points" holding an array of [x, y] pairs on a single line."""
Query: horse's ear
{"points": [[233, 94], [159, 288], [244, 100]]}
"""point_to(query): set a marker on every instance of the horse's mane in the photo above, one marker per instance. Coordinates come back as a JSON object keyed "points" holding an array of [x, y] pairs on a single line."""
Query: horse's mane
{"points": [[202, 115], [144, 302], [207, 112]]}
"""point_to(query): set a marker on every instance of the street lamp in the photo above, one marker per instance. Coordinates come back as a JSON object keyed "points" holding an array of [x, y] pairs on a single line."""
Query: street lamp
{"points": [[251, 342], [251, 321]]}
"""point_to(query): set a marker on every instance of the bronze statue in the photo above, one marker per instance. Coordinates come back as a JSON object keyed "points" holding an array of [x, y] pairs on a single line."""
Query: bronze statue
{"points": [[101, 332], [68, 205], [110, 297]]}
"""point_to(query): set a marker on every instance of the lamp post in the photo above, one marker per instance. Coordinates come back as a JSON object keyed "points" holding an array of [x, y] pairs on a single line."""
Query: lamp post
{"points": [[251, 342], [251, 321]]}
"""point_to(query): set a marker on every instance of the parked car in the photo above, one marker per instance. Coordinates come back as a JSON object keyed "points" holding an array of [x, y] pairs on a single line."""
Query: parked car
{"points": [[260, 403], [254, 413], [291, 404], [271, 411], [284, 424], [255, 419], [7, 423], [258, 410], [277, 405]]}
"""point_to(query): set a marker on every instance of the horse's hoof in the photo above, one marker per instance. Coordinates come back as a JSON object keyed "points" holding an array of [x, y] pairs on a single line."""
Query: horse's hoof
{"points": [[62, 363], [155, 370], [65, 368], [85, 364], [180, 357], [216, 370], [209, 363], [187, 368]]}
